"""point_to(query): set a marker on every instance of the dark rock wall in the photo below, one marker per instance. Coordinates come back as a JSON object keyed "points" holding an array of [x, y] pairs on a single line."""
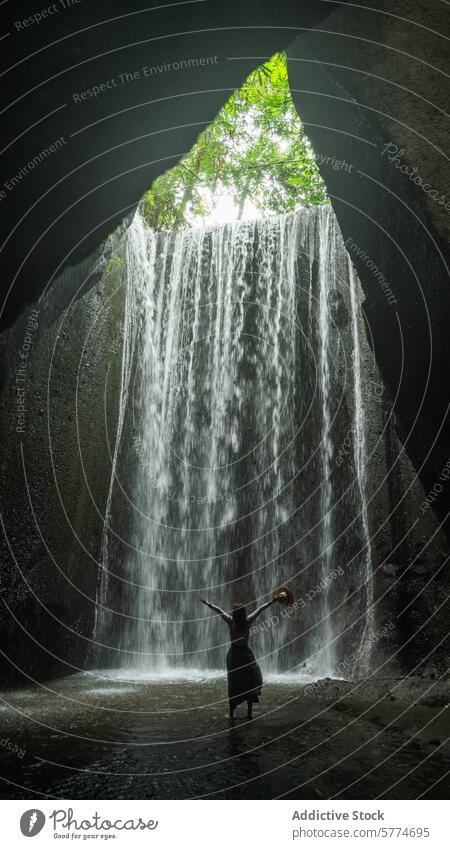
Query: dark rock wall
{"points": [[371, 89], [55, 472], [409, 548]]}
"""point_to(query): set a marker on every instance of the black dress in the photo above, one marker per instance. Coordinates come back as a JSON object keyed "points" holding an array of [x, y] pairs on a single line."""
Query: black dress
{"points": [[244, 675]]}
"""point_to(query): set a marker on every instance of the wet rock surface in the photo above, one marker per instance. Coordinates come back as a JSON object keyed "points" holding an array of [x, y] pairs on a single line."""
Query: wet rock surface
{"points": [[86, 737]]}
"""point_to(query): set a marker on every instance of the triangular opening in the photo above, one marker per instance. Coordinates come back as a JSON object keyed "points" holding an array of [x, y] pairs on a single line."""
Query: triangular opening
{"points": [[253, 160]]}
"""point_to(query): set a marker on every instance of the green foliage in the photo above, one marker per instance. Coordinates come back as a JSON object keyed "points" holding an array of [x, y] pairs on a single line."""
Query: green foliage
{"points": [[115, 265], [255, 149]]}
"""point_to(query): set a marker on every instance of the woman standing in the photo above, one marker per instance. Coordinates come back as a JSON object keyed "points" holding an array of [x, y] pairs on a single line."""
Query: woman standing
{"points": [[244, 675]]}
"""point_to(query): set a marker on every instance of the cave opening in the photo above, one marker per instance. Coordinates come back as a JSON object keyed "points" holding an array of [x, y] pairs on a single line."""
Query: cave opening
{"points": [[253, 160]]}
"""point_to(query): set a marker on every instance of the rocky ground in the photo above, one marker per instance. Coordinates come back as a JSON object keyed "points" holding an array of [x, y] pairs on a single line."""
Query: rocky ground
{"points": [[86, 737]]}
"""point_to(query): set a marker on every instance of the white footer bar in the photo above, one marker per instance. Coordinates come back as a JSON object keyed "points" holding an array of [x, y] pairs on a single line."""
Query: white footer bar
{"points": [[223, 824]]}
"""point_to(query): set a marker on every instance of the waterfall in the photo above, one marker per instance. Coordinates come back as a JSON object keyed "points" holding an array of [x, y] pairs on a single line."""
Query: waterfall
{"points": [[361, 459], [138, 274], [327, 286], [223, 472]]}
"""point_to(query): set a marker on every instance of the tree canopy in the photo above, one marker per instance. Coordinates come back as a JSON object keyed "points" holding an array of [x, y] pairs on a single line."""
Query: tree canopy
{"points": [[255, 156]]}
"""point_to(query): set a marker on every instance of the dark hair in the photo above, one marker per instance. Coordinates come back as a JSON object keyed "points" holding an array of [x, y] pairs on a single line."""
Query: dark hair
{"points": [[239, 615]]}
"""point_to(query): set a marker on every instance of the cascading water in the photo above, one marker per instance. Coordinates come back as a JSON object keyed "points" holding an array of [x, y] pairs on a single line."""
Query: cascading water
{"points": [[360, 458], [326, 354], [232, 401], [138, 275]]}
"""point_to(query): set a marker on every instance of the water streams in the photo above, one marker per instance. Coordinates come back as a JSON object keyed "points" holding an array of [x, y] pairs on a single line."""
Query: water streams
{"points": [[360, 458], [235, 375]]}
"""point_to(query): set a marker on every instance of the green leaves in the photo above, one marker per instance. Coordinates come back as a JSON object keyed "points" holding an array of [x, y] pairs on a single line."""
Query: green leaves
{"points": [[255, 148]]}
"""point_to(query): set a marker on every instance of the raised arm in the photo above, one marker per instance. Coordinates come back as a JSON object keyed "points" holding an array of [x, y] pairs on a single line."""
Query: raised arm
{"points": [[251, 618], [225, 616]]}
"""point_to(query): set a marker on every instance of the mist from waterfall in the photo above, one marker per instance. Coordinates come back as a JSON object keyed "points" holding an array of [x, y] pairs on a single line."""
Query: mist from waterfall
{"points": [[235, 369]]}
